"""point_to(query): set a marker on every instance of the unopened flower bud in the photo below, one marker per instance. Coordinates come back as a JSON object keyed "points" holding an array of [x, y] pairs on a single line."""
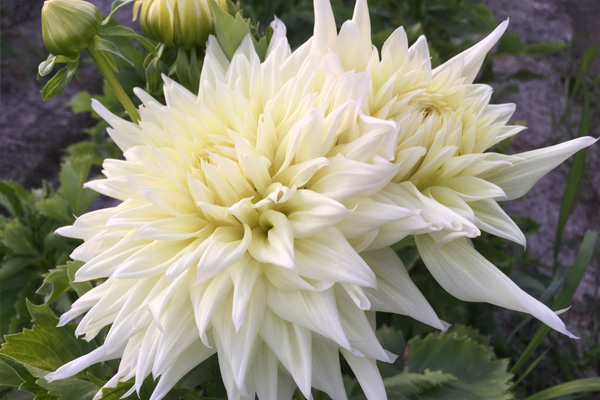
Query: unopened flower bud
{"points": [[178, 23], [68, 26]]}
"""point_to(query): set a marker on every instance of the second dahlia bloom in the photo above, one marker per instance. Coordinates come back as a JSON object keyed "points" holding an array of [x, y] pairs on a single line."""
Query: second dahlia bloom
{"points": [[232, 234], [446, 174]]}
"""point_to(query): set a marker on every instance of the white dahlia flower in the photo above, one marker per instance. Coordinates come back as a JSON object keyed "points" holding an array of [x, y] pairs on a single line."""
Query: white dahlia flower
{"points": [[232, 234], [445, 174]]}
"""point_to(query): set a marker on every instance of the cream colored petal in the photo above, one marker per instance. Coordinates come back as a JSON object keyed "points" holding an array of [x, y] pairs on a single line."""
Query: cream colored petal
{"points": [[224, 248], [472, 58], [273, 241], [362, 19], [315, 311], [325, 31], [291, 344], [368, 214], [491, 218], [243, 275], [358, 330], [396, 292], [236, 347], [344, 178], [189, 358], [467, 275], [328, 257], [518, 179], [309, 213], [367, 374], [206, 298], [326, 371]]}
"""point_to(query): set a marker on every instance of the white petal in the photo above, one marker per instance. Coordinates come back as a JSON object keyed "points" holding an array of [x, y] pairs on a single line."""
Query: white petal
{"points": [[491, 218], [473, 57], [237, 347], [326, 371], [266, 374], [325, 31], [223, 248], [467, 275], [361, 17], [310, 212], [243, 275], [367, 375], [81, 363], [206, 298], [518, 179], [369, 215], [291, 344], [273, 241], [314, 311], [189, 358], [328, 257], [396, 292], [344, 178], [358, 329]]}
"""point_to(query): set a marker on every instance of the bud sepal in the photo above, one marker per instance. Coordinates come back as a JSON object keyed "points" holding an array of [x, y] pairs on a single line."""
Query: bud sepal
{"points": [[69, 26]]}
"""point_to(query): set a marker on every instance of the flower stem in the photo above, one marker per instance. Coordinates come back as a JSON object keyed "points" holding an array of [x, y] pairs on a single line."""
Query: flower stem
{"points": [[106, 71]]}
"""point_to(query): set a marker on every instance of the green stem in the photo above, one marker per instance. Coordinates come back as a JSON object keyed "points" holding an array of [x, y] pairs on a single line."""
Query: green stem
{"points": [[112, 81]]}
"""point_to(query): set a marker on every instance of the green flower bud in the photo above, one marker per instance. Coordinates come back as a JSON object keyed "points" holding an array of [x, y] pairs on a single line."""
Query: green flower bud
{"points": [[177, 23], [68, 26]]}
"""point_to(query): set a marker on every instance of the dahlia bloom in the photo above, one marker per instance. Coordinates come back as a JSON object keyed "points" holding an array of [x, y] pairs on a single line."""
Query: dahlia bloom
{"points": [[256, 218], [232, 234], [445, 174]]}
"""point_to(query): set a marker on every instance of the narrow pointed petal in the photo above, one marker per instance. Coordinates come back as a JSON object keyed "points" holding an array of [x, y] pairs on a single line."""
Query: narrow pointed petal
{"points": [[396, 292], [361, 17], [325, 31], [467, 275], [491, 218], [473, 57], [367, 375], [189, 358], [328, 257], [518, 179]]}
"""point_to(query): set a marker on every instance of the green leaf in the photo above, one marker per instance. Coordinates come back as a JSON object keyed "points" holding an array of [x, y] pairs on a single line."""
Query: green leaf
{"points": [[479, 375], [42, 315], [573, 387], [393, 341], [123, 387], [74, 173], [81, 102], [109, 47], [14, 198], [57, 84], [17, 237], [527, 75], [116, 5], [413, 386], [511, 44], [229, 30], [80, 287], [45, 346], [56, 282], [8, 376], [575, 173], [582, 260], [28, 379], [13, 266], [545, 48], [70, 389], [56, 208], [124, 31]]}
